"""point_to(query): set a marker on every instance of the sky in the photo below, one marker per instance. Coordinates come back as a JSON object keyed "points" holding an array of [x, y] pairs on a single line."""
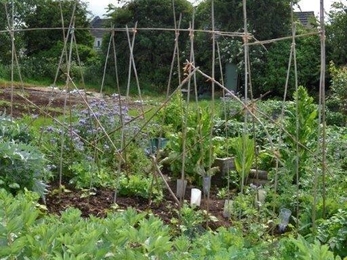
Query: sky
{"points": [[97, 7]]}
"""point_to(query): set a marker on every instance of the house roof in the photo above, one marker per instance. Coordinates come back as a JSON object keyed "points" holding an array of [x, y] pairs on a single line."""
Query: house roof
{"points": [[96, 24], [305, 17]]}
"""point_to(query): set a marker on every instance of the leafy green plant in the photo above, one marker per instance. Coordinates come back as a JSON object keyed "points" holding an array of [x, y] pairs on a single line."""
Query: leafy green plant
{"points": [[337, 98], [224, 146], [301, 132], [199, 151], [231, 109], [137, 185], [17, 216], [11, 130], [171, 115], [314, 251], [22, 165], [86, 174], [190, 221], [224, 244], [244, 154], [333, 232]]}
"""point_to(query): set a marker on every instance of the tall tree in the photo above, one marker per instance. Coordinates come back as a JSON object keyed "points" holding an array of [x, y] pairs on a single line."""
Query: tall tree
{"points": [[266, 20], [153, 48], [44, 19]]}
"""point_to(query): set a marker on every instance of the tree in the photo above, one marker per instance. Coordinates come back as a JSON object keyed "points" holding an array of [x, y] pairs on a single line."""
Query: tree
{"points": [[336, 34], [153, 48], [9, 19], [267, 19], [43, 14], [46, 24], [268, 64], [273, 73]]}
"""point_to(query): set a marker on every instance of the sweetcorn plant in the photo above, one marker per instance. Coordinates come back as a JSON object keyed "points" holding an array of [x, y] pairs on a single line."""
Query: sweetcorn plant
{"points": [[301, 133], [199, 151]]}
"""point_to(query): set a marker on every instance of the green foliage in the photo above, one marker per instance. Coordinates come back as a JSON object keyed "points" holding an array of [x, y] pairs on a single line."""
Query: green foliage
{"points": [[305, 112], [17, 216], [199, 151], [26, 233], [244, 148], [314, 251], [225, 244], [231, 109], [47, 14], [333, 232], [23, 234], [141, 186], [276, 23], [191, 221], [278, 12], [44, 47], [337, 99], [22, 165], [10, 130], [153, 48], [272, 75], [86, 174], [224, 146], [301, 131], [335, 33], [172, 114]]}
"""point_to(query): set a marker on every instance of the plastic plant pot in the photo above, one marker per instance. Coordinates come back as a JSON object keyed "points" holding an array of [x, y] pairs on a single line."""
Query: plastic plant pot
{"points": [[206, 184], [260, 197], [157, 144], [284, 219], [195, 198], [228, 208]]}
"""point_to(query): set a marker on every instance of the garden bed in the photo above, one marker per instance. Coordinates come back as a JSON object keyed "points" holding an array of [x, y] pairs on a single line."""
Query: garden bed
{"points": [[98, 202]]}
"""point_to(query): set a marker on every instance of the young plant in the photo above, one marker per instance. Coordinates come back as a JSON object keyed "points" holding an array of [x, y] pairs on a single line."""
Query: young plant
{"points": [[301, 128], [244, 154]]}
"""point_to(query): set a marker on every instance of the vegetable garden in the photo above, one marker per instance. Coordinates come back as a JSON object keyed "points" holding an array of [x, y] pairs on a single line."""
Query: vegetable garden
{"points": [[86, 174]]}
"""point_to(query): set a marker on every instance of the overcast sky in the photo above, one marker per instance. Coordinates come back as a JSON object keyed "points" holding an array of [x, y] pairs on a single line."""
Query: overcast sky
{"points": [[98, 6]]}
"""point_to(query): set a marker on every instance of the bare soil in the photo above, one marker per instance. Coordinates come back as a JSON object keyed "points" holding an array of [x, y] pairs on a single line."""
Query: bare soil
{"points": [[101, 201], [47, 101], [39, 100]]}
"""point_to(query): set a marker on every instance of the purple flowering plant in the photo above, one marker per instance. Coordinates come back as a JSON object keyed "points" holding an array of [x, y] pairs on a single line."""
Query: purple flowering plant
{"points": [[92, 138]]}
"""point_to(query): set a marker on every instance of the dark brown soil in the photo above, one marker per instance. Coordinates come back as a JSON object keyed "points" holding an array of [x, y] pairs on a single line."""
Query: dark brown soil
{"points": [[35, 100], [45, 101], [99, 202]]}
